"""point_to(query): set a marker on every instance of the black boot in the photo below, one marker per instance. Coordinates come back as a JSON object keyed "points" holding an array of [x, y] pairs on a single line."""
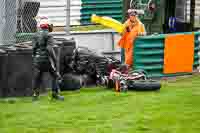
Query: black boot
{"points": [[35, 95], [56, 96]]}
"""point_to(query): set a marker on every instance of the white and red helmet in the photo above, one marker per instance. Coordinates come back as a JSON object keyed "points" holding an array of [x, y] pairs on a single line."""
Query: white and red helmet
{"points": [[151, 6], [43, 22]]}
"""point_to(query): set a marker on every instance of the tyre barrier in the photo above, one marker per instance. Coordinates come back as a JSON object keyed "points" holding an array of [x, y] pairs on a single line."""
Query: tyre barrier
{"points": [[3, 71], [65, 54], [70, 82], [16, 70], [144, 85], [26, 15], [17, 76]]}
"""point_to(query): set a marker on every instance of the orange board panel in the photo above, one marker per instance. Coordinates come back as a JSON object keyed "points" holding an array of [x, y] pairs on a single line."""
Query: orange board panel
{"points": [[178, 54]]}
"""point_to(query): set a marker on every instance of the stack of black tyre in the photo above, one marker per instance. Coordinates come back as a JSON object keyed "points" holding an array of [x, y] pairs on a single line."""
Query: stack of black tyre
{"points": [[66, 48], [71, 80], [26, 16], [3, 71], [16, 71]]}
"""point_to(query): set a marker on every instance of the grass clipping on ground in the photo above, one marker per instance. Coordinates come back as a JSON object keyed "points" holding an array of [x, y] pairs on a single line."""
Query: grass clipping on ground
{"points": [[174, 109]]}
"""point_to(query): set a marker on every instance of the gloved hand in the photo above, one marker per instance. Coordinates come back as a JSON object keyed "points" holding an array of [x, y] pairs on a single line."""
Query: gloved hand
{"points": [[59, 78], [127, 29]]}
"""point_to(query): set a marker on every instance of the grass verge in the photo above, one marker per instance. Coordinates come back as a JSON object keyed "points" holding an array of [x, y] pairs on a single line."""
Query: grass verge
{"points": [[175, 109]]}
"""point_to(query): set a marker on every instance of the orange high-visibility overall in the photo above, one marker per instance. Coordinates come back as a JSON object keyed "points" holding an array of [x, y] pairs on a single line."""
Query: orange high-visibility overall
{"points": [[127, 39]]}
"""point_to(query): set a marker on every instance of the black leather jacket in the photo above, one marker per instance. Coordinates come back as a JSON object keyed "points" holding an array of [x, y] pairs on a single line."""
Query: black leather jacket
{"points": [[43, 48]]}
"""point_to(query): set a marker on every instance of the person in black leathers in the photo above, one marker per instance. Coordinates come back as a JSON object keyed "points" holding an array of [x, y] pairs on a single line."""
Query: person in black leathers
{"points": [[44, 60]]}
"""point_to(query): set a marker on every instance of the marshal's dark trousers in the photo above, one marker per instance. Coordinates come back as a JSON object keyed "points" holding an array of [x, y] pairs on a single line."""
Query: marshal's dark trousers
{"points": [[39, 70]]}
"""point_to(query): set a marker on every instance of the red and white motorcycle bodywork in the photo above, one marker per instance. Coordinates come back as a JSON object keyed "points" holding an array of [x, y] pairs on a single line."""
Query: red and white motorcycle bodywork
{"points": [[121, 79]]}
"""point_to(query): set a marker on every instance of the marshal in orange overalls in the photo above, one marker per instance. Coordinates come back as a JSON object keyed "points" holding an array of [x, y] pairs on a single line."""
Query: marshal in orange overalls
{"points": [[132, 28]]}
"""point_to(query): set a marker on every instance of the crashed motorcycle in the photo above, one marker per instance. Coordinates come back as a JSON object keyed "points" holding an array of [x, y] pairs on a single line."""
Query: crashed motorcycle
{"points": [[132, 80], [110, 73], [94, 65]]}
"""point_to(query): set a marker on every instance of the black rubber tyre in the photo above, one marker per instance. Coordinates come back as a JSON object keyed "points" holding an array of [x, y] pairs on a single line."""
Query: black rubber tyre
{"points": [[60, 39], [70, 83], [31, 8], [67, 50], [66, 46], [110, 84], [66, 42], [70, 42], [65, 65], [144, 85]]}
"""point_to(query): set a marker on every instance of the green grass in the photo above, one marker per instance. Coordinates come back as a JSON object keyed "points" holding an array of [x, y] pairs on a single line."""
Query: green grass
{"points": [[175, 109]]}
